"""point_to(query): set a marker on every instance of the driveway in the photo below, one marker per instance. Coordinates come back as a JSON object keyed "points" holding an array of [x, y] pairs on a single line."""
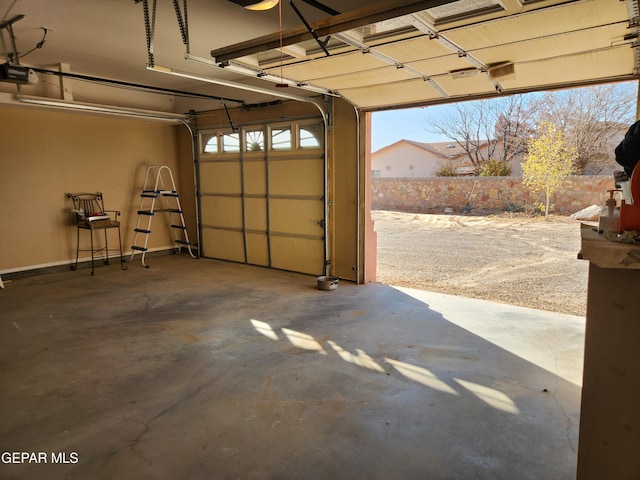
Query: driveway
{"points": [[511, 259]]}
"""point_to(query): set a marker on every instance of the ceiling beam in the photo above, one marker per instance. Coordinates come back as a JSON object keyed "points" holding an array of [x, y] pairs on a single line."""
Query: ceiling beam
{"points": [[377, 12]]}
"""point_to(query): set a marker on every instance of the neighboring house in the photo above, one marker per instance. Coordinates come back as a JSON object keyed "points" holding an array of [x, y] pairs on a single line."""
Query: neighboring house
{"points": [[407, 158]]}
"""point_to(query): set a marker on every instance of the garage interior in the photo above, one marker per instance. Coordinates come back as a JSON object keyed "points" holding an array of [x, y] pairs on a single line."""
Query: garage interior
{"points": [[233, 365]]}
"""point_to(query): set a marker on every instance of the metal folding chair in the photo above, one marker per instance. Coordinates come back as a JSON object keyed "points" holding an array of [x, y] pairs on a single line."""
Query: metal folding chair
{"points": [[91, 216]]}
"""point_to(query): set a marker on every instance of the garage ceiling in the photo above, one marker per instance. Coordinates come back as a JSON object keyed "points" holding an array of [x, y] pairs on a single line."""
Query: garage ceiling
{"points": [[383, 55]]}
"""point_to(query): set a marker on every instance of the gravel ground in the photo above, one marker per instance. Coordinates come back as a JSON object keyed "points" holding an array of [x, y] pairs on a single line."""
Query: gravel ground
{"points": [[513, 259]]}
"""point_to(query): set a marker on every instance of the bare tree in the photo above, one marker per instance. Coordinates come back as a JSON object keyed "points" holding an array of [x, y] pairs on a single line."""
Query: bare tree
{"points": [[496, 129], [591, 118], [514, 128]]}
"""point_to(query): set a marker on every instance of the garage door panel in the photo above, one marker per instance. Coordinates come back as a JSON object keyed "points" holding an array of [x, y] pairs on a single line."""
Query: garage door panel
{"points": [[330, 66], [407, 51], [258, 249], [296, 177], [221, 211], [297, 254], [386, 74], [412, 91], [220, 177], [448, 63], [552, 47], [256, 214], [222, 244], [300, 217], [255, 178], [267, 208], [570, 69], [466, 86], [540, 24]]}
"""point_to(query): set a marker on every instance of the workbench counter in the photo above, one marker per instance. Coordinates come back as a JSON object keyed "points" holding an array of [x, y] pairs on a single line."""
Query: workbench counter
{"points": [[607, 253], [609, 442]]}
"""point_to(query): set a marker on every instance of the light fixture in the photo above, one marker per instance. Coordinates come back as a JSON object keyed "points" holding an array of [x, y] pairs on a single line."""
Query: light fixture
{"points": [[256, 4]]}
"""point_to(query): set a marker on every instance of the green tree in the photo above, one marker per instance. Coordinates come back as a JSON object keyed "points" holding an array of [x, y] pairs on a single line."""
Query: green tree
{"points": [[548, 161], [495, 168]]}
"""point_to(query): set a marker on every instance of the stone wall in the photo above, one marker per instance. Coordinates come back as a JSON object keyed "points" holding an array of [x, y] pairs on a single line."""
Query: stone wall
{"points": [[493, 193]]}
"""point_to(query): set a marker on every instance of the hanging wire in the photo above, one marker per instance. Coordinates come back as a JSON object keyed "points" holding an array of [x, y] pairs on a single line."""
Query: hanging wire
{"points": [[38, 45], [281, 84], [233, 128]]}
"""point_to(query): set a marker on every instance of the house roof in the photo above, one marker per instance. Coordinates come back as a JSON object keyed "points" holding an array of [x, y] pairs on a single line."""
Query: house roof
{"points": [[446, 150]]}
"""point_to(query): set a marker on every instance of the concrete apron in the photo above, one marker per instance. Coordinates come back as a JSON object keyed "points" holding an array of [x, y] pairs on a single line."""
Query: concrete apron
{"points": [[200, 369]]}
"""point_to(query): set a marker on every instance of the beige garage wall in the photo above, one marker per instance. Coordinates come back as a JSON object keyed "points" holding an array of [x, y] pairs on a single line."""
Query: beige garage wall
{"points": [[45, 154], [343, 182]]}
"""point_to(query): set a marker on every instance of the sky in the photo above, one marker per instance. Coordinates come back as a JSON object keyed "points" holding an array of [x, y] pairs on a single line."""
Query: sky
{"points": [[409, 124]]}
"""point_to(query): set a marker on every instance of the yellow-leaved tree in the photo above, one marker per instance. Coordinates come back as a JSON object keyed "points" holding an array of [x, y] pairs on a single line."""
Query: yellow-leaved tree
{"points": [[548, 162]]}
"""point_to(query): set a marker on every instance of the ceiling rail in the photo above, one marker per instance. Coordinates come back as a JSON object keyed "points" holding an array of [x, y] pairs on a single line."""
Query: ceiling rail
{"points": [[328, 26]]}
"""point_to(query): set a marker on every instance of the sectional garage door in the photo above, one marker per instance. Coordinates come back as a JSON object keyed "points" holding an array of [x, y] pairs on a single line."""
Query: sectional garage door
{"points": [[261, 195]]}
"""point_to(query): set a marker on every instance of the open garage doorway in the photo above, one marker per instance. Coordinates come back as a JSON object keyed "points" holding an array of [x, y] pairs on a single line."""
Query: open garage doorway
{"points": [[478, 238]]}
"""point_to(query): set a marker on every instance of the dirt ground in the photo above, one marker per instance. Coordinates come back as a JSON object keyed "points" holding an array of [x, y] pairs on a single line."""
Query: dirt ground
{"points": [[512, 259]]}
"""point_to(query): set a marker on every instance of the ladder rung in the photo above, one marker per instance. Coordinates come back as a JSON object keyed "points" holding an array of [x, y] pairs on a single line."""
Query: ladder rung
{"points": [[182, 242], [145, 212], [168, 210], [149, 195], [169, 194], [181, 227], [141, 230], [142, 249]]}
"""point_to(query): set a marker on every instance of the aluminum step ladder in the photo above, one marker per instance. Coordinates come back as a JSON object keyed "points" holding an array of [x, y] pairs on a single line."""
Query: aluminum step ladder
{"points": [[159, 187]]}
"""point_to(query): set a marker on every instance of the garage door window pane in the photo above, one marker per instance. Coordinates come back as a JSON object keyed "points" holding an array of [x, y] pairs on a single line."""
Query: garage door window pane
{"points": [[310, 136], [254, 141], [209, 143], [464, 9], [281, 138], [231, 143]]}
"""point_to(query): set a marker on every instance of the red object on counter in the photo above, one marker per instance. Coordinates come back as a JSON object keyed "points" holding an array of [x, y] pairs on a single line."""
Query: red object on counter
{"points": [[630, 213]]}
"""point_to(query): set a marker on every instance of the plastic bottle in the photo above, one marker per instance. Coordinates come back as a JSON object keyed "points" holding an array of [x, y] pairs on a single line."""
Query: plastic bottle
{"points": [[610, 215]]}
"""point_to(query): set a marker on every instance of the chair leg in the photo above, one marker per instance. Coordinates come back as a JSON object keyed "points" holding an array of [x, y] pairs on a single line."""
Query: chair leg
{"points": [[93, 250], [106, 248], [92, 266], [122, 265], [75, 265]]}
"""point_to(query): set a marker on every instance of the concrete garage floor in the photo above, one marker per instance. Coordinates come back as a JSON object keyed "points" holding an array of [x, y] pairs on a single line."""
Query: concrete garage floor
{"points": [[199, 369]]}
